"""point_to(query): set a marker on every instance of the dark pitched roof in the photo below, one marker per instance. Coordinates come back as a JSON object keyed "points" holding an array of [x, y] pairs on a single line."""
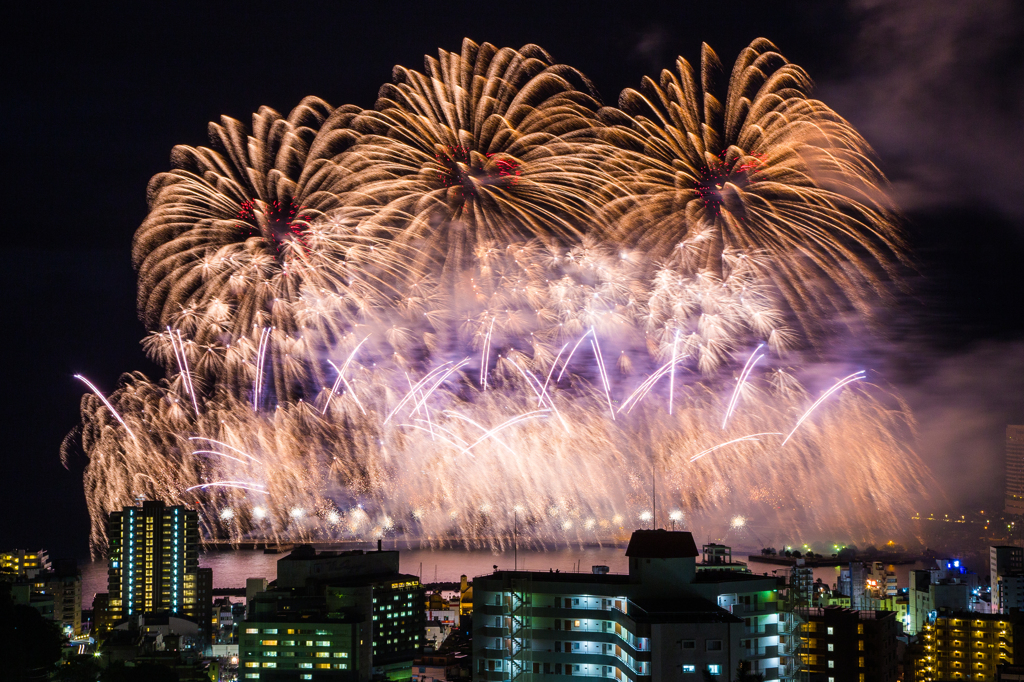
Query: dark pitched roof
{"points": [[662, 544]]}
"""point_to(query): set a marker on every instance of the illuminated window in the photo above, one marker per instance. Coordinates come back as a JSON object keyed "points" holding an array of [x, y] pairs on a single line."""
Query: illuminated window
{"points": [[686, 668], [715, 669], [269, 664], [831, 664], [830, 647], [305, 665], [268, 642], [252, 664], [270, 631], [323, 642], [830, 631], [341, 654], [323, 654]]}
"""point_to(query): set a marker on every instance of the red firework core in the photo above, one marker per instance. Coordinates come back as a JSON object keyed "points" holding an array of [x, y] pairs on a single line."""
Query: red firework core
{"points": [[275, 222], [457, 170], [714, 177]]}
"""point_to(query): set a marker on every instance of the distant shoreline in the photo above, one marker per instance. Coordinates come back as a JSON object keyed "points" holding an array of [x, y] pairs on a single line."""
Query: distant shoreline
{"points": [[817, 562]]}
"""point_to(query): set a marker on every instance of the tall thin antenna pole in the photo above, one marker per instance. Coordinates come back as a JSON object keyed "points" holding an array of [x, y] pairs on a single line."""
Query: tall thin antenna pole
{"points": [[654, 491]]}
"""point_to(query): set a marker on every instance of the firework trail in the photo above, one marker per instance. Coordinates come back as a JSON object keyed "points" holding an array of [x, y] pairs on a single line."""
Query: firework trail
{"points": [[475, 247], [754, 358]]}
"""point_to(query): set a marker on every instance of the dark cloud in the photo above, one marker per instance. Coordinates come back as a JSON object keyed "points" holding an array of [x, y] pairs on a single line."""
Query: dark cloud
{"points": [[962, 403], [936, 87]]}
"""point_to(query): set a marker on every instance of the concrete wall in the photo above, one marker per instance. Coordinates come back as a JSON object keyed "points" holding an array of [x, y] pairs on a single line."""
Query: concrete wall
{"points": [[668, 654]]}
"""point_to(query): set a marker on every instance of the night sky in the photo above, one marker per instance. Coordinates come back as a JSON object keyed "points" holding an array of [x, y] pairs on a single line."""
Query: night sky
{"points": [[95, 98]]}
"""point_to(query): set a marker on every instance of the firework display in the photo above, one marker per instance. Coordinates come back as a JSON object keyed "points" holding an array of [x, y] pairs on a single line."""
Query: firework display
{"points": [[491, 297]]}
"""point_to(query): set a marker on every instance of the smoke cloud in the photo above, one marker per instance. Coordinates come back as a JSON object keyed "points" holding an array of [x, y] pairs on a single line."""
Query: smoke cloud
{"points": [[935, 86], [962, 403]]}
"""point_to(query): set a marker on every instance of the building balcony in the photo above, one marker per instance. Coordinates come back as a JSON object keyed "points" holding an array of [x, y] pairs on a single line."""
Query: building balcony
{"points": [[745, 610], [766, 630], [761, 652]]}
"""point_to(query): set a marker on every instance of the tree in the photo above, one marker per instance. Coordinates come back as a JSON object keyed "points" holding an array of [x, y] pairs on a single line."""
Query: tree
{"points": [[30, 645], [847, 554], [146, 672], [79, 669]]}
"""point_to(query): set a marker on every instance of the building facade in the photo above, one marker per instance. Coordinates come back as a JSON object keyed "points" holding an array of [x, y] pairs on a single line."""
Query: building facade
{"points": [[1003, 561], [64, 585], [1011, 593], [153, 561], [282, 648], [24, 564], [663, 620], [966, 646], [102, 618], [843, 645], [334, 616]]}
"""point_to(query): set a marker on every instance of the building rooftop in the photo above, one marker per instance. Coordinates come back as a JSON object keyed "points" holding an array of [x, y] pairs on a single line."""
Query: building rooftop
{"points": [[554, 577], [662, 544], [692, 610], [730, 576], [307, 552]]}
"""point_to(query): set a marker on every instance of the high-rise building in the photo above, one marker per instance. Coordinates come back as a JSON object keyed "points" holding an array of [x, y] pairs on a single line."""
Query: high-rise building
{"points": [[1015, 469], [153, 561], [1003, 560]]}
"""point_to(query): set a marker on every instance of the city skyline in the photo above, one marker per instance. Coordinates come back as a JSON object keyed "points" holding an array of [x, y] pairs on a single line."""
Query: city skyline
{"points": [[955, 332]]}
